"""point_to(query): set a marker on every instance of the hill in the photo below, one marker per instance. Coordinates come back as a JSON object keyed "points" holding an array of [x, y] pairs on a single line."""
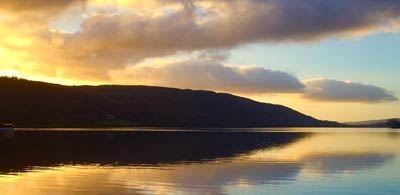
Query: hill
{"points": [[38, 104], [371, 123]]}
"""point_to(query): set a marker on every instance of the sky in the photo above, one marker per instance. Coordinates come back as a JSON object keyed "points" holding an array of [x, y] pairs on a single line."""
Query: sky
{"points": [[331, 59]]}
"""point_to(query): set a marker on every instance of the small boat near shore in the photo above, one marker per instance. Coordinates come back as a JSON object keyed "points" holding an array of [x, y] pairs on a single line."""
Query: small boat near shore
{"points": [[7, 130]]}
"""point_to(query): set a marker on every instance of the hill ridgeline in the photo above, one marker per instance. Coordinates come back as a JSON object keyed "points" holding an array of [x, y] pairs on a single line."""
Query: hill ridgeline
{"points": [[38, 104]]}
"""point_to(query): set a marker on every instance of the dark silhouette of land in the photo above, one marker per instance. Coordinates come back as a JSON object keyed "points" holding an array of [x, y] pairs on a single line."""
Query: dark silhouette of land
{"points": [[53, 148], [383, 123], [394, 123], [38, 104]]}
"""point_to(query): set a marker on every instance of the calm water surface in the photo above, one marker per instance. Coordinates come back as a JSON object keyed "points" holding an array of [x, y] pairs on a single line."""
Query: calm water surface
{"points": [[262, 161]]}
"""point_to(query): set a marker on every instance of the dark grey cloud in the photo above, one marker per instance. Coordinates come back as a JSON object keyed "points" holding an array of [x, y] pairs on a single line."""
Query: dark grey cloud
{"points": [[341, 91], [212, 75], [288, 20]]}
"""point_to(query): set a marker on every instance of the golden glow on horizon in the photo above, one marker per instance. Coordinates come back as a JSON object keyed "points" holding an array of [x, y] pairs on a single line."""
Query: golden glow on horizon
{"points": [[341, 112], [55, 80]]}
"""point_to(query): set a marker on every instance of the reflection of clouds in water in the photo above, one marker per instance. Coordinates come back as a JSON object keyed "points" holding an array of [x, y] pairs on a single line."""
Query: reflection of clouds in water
{"points": [[322, 153], [332, 144], [345, 163], [327, 153]]}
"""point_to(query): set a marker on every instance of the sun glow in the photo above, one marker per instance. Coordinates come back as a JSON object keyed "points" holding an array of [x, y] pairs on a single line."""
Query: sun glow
{"points": [[9, 73], [18, 41]]}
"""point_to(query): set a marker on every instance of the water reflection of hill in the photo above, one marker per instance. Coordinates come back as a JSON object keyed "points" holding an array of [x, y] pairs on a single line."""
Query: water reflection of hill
{"points": [[51, 148]]}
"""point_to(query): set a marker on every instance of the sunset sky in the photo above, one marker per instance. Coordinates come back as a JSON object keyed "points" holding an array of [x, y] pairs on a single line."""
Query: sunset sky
{"points": [[332, 59]]}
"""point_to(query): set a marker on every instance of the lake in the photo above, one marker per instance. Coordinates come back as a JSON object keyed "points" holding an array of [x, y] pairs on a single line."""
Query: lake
{"points": [[207, 161]]}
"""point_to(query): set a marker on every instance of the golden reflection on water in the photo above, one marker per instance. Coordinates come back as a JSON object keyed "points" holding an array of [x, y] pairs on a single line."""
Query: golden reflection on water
{"points": [[313, 156]]}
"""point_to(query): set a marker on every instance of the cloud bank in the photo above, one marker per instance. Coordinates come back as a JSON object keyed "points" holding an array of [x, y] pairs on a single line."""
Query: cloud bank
{"points": [[212, 75], [342, 91], [129, 38]]}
